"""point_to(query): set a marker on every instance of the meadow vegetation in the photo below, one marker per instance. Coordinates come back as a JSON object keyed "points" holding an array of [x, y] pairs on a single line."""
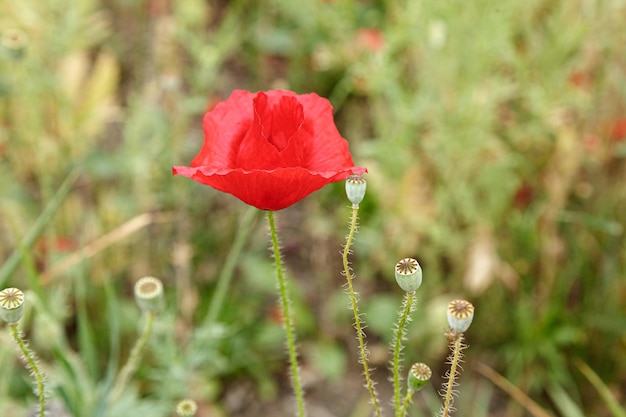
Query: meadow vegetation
{"points": [[494, 133]]}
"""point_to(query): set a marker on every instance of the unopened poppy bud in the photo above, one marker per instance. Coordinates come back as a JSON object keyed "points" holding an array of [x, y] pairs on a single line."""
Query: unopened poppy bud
{"points": [[149, 294], [186, 408], [460, 315], [408, 274], [419, 375], [11, 305], [355, 189]]}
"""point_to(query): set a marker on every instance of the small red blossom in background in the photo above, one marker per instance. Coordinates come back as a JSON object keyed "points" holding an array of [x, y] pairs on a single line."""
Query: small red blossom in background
{"points": [[58, 244], [618, 130], [581, 79], [591, 142], [370, 39], [270, 149], [523, 196]]}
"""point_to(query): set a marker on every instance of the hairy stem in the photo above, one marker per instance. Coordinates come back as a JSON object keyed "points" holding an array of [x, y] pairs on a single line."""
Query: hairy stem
{"points": [[31, 364], [355, 310], [405, 404], [286, 307], [408, 306], [455, 359], [133, 360]]}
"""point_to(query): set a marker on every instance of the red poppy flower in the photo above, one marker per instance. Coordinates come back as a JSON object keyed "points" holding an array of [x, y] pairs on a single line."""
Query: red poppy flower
{"points": [[270, 149]]}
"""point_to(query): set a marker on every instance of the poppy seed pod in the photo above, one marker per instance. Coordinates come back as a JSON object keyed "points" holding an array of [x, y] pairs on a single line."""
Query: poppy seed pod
{"points": [[408, 274], [14, 41], [355, 189], [149, 294], [186, 408], [11, 305], [460, 314], [419, 375]]}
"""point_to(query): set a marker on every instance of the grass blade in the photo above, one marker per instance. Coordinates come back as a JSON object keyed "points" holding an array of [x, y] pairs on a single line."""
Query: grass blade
{"points": [[605, 393], [35, 231]]}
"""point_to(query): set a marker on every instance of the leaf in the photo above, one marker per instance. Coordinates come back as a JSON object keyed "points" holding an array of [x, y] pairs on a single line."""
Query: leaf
{"points": [[604, 391], [564, 402]]}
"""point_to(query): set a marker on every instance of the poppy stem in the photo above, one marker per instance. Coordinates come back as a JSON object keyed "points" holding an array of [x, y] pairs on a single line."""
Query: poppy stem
{"points": [[455, 358], [408, 306], [407, 401], [360, 334], [287, 319], [31, 363], [135, 357]]}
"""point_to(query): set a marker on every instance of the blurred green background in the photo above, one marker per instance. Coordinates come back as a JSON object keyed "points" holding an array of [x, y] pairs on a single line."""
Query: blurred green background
{"points": [[495, 137]]}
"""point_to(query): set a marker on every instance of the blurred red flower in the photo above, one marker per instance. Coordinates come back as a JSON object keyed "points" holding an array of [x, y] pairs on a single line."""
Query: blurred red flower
{"points": [[370, 39], [270, 149], [618, 129], [581, 79]]}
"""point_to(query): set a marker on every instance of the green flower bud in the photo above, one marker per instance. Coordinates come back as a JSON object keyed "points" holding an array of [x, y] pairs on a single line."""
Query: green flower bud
{"points": [[186, 408], [149, 294], [11, 305], [355, 189], [460, 314], [419, 375], [408, 274]]}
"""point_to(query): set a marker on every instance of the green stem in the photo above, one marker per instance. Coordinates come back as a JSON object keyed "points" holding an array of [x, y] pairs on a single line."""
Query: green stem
{"points": [[31, 364], [226, 274], [133, 360], [355, 310], [408, 306], [406, 403], [456, 347], [286, 307]]}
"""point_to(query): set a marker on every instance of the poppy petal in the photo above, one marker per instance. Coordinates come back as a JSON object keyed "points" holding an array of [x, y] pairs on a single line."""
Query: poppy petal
{"points": [[266, 190], [271, 149]]}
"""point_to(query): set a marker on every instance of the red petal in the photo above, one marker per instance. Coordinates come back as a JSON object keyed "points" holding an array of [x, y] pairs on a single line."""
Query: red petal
{"points": [[271, 149], [326, 150], [278, 121], [267, 190], [224, 129]]}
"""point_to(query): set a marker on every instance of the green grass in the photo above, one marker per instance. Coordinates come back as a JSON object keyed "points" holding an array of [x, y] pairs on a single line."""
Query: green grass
{"points": [[490, 130]]}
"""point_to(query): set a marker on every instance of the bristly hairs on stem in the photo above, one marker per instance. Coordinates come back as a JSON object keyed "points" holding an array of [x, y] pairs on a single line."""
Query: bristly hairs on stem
{"points": [[409, 303], [419, 375], [451, 377], [11, 310], [32, 364], [134, 358], [460, 315], [287, 318], [358, 322], [150, 299], [408, 275]]}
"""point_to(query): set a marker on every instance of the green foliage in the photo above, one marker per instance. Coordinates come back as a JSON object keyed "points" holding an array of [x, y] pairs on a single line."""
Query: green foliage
{"points": [[495, 141]]}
